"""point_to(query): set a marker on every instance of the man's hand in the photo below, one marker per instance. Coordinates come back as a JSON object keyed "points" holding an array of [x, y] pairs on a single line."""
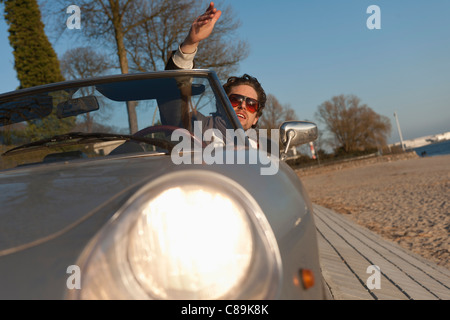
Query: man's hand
{"points": [[201, 28]]}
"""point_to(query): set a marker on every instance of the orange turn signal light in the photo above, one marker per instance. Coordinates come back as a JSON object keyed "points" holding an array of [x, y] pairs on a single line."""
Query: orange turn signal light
{"points": [[307, 277]]}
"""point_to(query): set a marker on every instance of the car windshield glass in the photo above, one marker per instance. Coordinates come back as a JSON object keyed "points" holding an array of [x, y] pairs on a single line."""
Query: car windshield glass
{"points": [[108, 118]]}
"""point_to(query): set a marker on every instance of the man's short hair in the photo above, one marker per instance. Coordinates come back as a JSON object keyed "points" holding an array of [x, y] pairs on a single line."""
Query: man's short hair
{"points": [[250, 81]]}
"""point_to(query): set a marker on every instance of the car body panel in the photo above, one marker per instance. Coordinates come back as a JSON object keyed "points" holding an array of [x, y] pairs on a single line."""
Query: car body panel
{"points": [[52, 211]]}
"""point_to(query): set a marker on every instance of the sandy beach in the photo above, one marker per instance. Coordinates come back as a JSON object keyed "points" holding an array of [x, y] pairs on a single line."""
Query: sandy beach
{"points": [[403, 200]]}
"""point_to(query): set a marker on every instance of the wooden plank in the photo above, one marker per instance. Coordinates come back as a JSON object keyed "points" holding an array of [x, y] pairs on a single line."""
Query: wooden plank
{"points": [[347, 250]]}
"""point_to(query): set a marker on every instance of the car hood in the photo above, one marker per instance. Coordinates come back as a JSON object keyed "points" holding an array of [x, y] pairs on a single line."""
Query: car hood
{"points": [[38, 202], [41, 202]]}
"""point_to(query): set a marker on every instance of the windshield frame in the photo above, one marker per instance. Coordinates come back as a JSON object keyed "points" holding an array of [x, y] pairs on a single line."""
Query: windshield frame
{"points": [[70, 85], [211, 75]]}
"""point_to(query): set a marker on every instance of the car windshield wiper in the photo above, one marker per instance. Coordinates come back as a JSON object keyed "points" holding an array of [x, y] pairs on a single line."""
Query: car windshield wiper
{"points": [[84, 137]]}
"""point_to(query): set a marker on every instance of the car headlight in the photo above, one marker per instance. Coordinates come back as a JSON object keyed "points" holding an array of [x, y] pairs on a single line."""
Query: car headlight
{"points": [[190, 235]]}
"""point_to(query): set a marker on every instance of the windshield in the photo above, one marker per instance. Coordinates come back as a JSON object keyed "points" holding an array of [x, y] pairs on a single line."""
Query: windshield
{"points": [[108, 118]]}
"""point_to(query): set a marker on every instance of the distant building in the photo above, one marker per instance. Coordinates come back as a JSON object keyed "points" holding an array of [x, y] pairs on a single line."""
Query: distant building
{"points": [[423, 141]]}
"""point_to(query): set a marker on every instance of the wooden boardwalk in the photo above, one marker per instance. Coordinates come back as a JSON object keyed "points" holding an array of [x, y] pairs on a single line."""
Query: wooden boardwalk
{"points": [[347, 250]]}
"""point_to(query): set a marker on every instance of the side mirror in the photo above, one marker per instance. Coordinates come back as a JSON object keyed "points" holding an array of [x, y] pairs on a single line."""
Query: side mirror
{"points": [[296, 133]]}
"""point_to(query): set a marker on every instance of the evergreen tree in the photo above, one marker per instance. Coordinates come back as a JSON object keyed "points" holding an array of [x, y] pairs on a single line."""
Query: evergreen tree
{"points": [[36, 62]]}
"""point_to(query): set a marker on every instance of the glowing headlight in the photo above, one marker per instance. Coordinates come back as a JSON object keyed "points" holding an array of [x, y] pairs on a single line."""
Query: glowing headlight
{"points": [[184, 237], [190, 243]]}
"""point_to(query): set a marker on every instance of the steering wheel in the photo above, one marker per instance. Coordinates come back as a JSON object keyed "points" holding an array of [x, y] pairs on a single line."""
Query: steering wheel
{"points": [[169, 130]]}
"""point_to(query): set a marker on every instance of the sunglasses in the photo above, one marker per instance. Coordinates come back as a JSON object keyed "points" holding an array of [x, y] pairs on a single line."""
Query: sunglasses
{"points": [[237, 99]]}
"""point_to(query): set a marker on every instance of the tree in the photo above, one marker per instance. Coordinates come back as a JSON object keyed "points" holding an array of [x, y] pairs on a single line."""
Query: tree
{"points": [[35, 61], [274, 114], [142, 34], [110, 22], [353, 127], [151, 43], [107, 23], [84, 62]]}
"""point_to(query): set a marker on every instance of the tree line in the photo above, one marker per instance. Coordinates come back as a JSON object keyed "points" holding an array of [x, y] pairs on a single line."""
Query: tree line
{"points": [[140, 35]]}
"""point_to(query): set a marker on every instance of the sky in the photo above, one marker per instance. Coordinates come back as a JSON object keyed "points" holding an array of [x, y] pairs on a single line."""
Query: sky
{"points": [[304, 52]]}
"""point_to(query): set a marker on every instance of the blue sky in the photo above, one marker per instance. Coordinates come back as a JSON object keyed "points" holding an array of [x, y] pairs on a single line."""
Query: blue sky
{"points": [[304, 52]]}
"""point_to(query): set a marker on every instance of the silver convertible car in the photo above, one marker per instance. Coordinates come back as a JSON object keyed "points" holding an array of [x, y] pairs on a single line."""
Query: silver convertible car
{"points": [[145, 186]]}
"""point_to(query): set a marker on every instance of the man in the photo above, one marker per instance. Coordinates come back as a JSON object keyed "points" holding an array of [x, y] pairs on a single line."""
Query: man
{"points": [[245, 93]]}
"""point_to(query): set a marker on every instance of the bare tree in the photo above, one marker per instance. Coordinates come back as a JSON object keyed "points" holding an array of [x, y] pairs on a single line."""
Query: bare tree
{"points": [[151, 43], [353, 127], [85, 62], [142, 33], [107, 22], [274, 114]]}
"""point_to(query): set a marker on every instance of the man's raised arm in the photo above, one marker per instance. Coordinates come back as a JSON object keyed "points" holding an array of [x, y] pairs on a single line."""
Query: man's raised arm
{"points": [[201, 28]]}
